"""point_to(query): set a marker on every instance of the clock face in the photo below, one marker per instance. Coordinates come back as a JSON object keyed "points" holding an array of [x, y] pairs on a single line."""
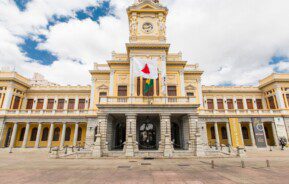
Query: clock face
{"points": [[147, 27]]}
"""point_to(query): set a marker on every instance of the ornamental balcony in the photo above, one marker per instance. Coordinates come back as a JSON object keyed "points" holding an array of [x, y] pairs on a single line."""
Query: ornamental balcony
{"points": [[249, 112], [26, 112], [153, 100]]}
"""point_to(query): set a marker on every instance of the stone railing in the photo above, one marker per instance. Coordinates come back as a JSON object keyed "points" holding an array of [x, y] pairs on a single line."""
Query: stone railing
{"points": [[243, 112], [148, 100], [47, 112]]}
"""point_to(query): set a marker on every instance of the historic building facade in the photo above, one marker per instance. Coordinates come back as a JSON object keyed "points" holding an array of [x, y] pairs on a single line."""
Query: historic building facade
{"points": [[116, 116]]}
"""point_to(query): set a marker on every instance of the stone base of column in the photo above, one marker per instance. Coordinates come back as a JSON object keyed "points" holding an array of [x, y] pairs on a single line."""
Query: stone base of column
{"points": [[168, 150], [200, 151], [129, 151], [96, 151]]}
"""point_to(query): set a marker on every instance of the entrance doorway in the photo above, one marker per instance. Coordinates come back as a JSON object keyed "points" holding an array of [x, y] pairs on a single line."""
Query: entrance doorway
{"points": [[148, 132], [176, 135], [119, 136]]}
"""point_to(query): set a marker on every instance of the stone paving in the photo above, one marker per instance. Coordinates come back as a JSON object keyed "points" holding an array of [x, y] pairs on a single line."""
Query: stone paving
{"points": [[35, 167]]}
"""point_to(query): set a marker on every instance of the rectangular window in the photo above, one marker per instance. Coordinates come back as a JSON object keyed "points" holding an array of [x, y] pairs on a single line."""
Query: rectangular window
{"points": [[40, 103], [250, 103], [240, 104], [60, 105], [50, 104], [172, 91], [210, 103], [190, 94], [259, 103], [29, 104], [230, 104], [220, 104], [81, 104], [271, 102], [71, 104], [122, 91], [16, 102]]}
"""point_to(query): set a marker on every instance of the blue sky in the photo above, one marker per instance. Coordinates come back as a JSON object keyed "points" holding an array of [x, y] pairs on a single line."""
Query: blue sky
{"points": [[44, 57], [63, 40]]}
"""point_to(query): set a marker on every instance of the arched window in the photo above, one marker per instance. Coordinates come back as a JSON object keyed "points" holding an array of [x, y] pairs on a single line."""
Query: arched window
{"points": [[79, 135], [245, 133], [95, 133], [45, 134], [67, 134], [22, 133], [213, 135], [56, 134], [224, 133], [33, 134]]}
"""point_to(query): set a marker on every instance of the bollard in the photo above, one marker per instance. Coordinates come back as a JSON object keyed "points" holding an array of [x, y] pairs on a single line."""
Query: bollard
{"points": [[243, 164], [213, 164], [267, 163]]}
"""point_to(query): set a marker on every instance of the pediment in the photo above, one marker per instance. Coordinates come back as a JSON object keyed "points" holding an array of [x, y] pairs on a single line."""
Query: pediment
{"points": [[103, 87], [147, 5], [190, 87]]}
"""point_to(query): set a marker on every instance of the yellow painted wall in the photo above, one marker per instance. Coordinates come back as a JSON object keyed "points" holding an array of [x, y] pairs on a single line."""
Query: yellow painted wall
{"points": [[18, 143], [222, 141], [270, 141], [210, 140], [247, 142], [7, 126]]}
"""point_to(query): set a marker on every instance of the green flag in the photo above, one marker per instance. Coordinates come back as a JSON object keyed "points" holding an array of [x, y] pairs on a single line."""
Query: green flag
{"points": [[149, 84]]}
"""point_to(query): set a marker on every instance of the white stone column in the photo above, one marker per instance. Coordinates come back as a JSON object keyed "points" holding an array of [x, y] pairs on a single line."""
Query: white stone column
{"points": [[166, 135], [38, 135], [24, 103], [130, 146], [182, 85], [55, 103], [245, 103], [192, 120], [92, 94], [225, 103], [252, 135], [86, 103], [75, 134], [205, 102], [8, 97], [13, 137], [111, 83], [200, 92], [235, 103], [25, 139], [215, 103], [66, 101], [255, 103], [76, 103], [34, 103], [62, 141], [279, 98], [45, 103], [50, 137], [164, 75], [276, 140], [131, 82], [264, 103], [229, 134], [217, 134]]}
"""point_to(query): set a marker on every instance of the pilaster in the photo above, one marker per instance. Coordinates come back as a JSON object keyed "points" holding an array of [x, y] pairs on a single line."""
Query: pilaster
{"points": [[130, 145]]}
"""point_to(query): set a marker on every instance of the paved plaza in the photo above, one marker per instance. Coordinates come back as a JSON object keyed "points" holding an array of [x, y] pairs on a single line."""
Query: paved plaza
{"points": [[35, 167]]}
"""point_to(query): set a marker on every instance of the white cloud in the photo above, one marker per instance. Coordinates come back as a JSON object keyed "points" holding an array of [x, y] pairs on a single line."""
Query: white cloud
{"points": [[283, 66], [232, 41]]}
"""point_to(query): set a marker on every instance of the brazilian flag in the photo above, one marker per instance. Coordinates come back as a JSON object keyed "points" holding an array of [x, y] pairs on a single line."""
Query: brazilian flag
{"points": [[149, 84]]}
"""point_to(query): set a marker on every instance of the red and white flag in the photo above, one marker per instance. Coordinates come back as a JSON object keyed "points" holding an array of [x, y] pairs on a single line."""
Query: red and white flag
{"points": [[146, 68]]}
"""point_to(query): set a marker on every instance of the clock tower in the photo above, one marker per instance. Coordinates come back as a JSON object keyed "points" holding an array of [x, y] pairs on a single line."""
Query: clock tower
{"points": [[147, 22]]}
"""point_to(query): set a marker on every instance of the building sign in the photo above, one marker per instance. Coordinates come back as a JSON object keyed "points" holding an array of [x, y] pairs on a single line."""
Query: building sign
{"points": [[236, 133], [259, 133], [280, 127]]}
